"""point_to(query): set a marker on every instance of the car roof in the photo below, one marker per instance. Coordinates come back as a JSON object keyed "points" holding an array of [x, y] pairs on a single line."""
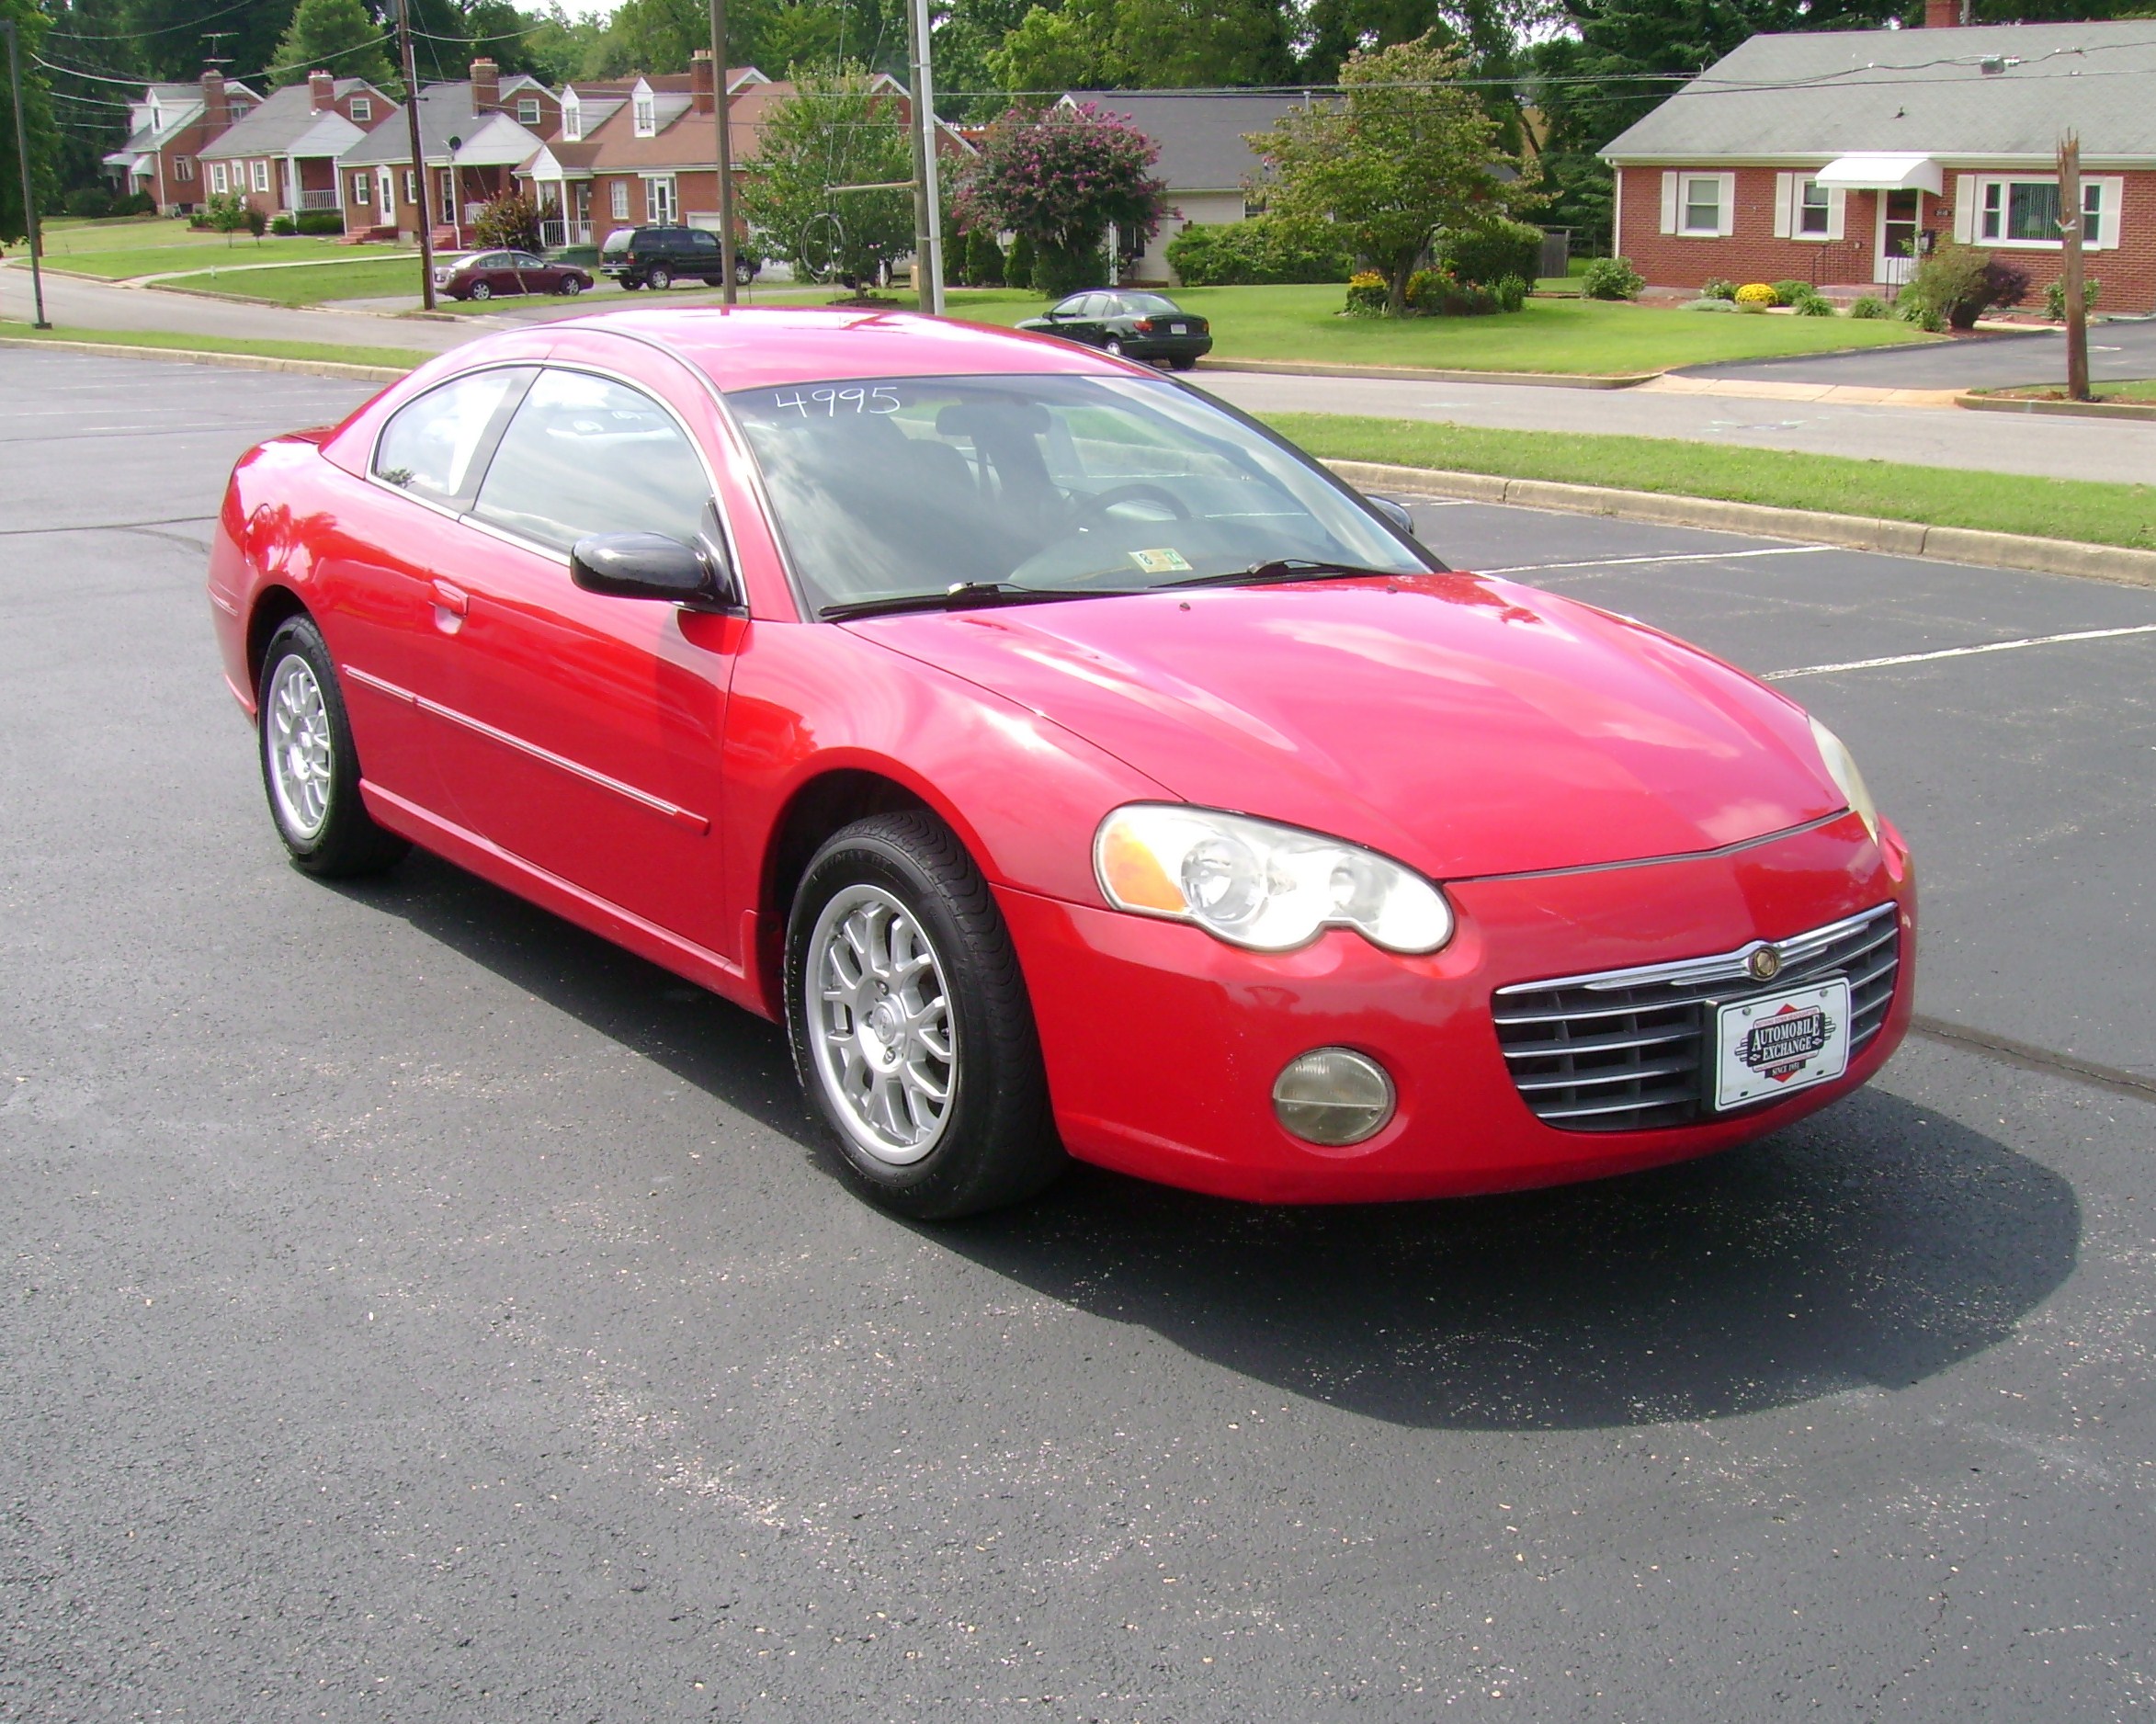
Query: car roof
{"points": [[760, 347]]}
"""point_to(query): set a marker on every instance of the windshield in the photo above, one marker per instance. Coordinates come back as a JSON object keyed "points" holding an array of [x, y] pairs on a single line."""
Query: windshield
{"points": [[896, 488]]}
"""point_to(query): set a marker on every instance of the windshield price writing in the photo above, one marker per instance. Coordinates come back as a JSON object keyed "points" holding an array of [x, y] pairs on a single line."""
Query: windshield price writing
{"points": [[881, 399]]}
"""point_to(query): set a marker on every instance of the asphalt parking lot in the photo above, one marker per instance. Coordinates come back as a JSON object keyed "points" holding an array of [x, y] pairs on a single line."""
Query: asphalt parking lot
{"points": [[416, 1309]]}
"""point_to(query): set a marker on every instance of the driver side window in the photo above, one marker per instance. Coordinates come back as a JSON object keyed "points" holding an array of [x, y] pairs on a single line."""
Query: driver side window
{"points": [[586, 455], [1074, 306]]}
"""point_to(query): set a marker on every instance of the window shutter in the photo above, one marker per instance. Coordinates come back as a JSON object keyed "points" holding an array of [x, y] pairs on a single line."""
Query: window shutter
{"points": [[1785, 195], [1669, 202], [1837, 211], [2112, 189], [1727, 205], [1965, 204]]}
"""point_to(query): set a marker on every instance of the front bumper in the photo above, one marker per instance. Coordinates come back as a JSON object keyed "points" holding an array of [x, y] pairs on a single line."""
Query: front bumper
{"points": [[1163, 1044]]}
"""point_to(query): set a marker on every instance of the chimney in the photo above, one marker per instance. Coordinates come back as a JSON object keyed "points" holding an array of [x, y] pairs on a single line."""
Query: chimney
{"points": [[322, 90], [217, 112], [486, 86], [702, 83], [1941, 15]]}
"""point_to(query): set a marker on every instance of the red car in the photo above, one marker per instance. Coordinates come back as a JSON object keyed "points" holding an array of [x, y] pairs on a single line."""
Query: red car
{"points": [[492, 275], [1075, 767]]}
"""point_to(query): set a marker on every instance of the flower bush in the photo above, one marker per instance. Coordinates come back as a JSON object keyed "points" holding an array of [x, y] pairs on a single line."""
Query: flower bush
{"points": [[1062, 179], [1366, 294], [1720, 288], [1611, 279], [1757, 293]]}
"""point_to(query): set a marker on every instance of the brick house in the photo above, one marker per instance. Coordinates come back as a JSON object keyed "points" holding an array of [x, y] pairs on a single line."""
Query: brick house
{"points": [[282, 158], [1837, 157], [167, 130], [472, 133]]}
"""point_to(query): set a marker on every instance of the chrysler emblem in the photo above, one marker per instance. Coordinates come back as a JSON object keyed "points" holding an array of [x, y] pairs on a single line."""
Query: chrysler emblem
{"points": [[1765, 964]]}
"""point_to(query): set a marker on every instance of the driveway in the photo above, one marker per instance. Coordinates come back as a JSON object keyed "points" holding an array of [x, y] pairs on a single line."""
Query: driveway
{"points": [[2117, 351]]}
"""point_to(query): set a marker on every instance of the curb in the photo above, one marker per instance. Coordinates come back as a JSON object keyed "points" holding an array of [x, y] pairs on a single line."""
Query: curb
{"points": [[233, 362], [1850, 532], [1416, 374], [2071, 409]]}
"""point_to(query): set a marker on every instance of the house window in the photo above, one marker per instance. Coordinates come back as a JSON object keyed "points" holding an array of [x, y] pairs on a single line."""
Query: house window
{"points": [[659, 199], [1702, 206], [571, 119], [411, 187], [527, 110], [258, 175], [238, 111], [362, 111], [183, 169], [363, 189], [218, 182], [2026, 212], [1813, 212], [621, 204], [647, 115]]}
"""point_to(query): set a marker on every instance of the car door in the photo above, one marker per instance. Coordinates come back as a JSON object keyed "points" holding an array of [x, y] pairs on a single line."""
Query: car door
{"points": [[1067, 318], [594, 724], [531, 274]]}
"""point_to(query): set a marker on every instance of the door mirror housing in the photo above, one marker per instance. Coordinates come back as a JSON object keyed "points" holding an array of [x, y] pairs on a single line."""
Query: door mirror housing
{"points": [[1394, 511], [651, 565]]}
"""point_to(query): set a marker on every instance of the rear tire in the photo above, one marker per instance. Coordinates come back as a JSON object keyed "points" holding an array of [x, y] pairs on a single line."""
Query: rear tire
{"points": [[1112, 347], [309, 768], [1184, 363], [480, 290], [910, 1023], [659, 277]]}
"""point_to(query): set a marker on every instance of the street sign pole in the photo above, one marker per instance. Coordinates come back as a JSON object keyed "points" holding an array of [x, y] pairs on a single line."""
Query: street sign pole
{"points": [[22, 158]]}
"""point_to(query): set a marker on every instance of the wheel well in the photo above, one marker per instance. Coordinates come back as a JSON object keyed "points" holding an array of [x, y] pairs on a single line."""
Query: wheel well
{"points": [[823, 806], [271, 610]]}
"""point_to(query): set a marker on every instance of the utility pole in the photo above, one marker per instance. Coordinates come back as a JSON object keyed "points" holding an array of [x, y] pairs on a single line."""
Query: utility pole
{"points": [[927, 195], [722, 124], [2069, 233], [418, 157], [22, 159]]}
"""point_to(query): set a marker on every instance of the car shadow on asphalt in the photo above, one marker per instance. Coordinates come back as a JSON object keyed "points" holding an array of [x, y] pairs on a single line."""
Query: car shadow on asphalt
{"points": [[1869, 1247]]}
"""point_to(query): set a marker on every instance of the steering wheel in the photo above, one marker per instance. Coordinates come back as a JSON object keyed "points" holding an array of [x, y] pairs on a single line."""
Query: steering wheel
{"points": [[1101, 502]]}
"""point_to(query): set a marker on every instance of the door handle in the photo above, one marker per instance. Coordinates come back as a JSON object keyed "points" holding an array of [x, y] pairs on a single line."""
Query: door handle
{"points": [[453, 599]]}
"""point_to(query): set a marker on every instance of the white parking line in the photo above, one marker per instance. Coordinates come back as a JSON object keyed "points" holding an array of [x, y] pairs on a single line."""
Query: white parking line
{"points": [[1695, 556], [1957, 652]]}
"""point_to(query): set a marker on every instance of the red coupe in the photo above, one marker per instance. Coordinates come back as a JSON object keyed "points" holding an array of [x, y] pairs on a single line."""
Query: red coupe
{"points": [[1075, 767]]}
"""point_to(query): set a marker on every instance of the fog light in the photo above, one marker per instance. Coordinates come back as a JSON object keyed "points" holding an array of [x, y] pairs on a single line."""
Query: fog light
{"points": [[1333, 1097]]}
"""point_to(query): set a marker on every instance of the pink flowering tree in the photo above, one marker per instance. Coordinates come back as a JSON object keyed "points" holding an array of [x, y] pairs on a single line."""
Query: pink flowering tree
{"points": [[1062, 178]]}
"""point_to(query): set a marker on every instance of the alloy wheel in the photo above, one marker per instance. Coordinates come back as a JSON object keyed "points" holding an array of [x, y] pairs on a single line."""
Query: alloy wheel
{"points": [[301, 760]]}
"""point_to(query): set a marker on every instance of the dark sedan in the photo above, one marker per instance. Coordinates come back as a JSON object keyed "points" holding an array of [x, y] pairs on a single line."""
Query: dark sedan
{"points": [[1129, 324], [490, 275]]}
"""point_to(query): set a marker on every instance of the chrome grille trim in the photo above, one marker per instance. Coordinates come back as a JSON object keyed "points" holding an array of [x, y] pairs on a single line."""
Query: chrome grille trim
{"points": [[1627, 1049]]}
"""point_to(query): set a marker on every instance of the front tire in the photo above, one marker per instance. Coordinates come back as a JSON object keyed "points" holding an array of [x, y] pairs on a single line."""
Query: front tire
{"points": [[571, 286], [309, 768], [910, 1023]]}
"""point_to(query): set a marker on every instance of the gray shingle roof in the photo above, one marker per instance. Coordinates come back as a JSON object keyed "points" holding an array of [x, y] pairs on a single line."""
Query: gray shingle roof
{"points": [[1917, 91], [287, 124], [444, 112], [1200, 136]]}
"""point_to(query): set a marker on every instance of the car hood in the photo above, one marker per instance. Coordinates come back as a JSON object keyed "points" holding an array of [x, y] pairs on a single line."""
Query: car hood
{"points": [[1465, 725]]}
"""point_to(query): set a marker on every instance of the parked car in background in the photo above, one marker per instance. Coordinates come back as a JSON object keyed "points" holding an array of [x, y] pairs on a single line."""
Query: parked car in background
{"points": [[491, 275], [1129, 324], [659, 257]]}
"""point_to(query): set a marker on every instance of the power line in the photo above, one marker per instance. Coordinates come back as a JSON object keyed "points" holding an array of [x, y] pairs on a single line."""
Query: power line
{"points": [[166, 30]]}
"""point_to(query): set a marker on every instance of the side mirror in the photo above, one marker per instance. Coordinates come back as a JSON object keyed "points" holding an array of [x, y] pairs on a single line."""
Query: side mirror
{"points": [[1394, 511], [651, 565]]}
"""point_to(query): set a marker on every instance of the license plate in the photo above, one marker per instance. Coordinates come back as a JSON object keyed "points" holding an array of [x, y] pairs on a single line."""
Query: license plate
{"points": [[1178, 329], [1780, 1043]]}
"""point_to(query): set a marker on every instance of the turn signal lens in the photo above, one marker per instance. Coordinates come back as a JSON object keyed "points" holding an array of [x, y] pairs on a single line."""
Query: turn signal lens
{"points": [[1257, 885], [1840, 766]]}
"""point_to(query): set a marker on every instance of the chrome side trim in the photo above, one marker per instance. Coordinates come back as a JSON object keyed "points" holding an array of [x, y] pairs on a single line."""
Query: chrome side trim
{"points": [[1721, 967], [658, 805]]}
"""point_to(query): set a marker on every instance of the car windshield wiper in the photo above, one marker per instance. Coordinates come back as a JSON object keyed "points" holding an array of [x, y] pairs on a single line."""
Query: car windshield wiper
{"points": [[1286, 569], [968, 595]]}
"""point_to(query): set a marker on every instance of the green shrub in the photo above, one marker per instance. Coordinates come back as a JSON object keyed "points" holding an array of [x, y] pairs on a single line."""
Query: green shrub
{"points": [[256, 221], [136, 203], [281, 225], [1482, 256], [1720, 287], [1611, 279], [984, 259], [1058, 271], [1367, 294], [1265, 250], [1912, 310], [510, 222], [1018, 264], [2055, 299], [1510, 292], [1709, 303], [319, 222], [85, 200], [1791, 292], [1869, 308], [1814, 305], [1958, 284]]}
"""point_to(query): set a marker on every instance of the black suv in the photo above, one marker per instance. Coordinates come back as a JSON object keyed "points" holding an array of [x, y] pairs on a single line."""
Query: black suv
{"points": [[659, 257]]}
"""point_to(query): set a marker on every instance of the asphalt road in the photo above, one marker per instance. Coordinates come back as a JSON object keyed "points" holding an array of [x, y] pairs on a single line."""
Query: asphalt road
{"points": [[417, 1310], [2117, 351]]}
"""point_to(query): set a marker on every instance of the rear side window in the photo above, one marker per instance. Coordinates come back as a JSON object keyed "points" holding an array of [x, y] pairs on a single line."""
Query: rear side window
{"points": [[700, 241], [584, 455], [437, 446]]}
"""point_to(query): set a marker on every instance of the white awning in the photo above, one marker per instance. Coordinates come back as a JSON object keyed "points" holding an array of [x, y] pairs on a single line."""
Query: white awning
{"points": [[1882, 173]]}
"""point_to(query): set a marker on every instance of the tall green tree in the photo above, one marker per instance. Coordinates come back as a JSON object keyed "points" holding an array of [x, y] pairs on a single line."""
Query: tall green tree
{"points": [[1407, 152], [31, 24], [334, 35], [175, 37], [773, 35], [837, 130], [1155, 44]]}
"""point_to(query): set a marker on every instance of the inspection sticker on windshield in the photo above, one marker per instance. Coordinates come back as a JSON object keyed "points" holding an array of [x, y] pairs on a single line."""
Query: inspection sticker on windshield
{"points": [[1784, 1042], [1170, 562]]}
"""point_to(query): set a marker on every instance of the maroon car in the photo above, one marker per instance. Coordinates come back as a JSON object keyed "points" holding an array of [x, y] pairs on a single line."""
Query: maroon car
{"points": [[490, 275]]}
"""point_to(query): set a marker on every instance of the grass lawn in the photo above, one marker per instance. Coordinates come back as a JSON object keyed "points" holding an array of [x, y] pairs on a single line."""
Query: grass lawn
{"points": [[150, 245], [2143, 389], [362, 279], [331, 352], [2085, 510]]}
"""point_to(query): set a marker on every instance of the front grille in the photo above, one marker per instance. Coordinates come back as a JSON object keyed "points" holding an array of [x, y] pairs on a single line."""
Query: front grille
{"points": [[1627, 1051]]}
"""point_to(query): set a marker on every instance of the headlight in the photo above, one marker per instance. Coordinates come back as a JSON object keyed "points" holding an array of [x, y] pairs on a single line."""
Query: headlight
{"points": [[1840, 766], [1266, 887]]}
